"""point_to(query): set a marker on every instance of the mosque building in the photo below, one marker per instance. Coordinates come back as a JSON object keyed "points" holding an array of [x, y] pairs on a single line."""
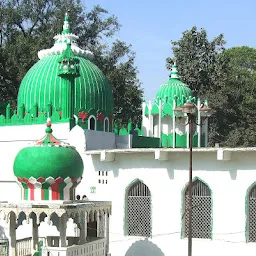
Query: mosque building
{"points": [[57, 193]]}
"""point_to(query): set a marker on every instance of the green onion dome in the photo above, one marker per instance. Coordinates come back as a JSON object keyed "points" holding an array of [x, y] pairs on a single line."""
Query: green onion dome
{"points": [[42, 85], [48, 157], [174, 89]]}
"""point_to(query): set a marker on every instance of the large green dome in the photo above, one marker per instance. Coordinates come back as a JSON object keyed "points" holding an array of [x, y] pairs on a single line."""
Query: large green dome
{"points": [[49, 157], [46, 88], [41, 85]]}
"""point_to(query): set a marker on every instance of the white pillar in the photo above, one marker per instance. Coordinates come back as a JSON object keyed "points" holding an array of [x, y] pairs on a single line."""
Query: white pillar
{"points": [[34, 236], [199, 122], [206, 132], [173, 125], [145, 120], [187, 131], [160, 121], [150, 117], [83, 231], [107, 233], [12, 233], [101, 225], [63, 230]]}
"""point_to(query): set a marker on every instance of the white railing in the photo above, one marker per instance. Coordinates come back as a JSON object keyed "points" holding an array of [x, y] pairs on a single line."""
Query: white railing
{"points": [[93, 248], [23, 246]]}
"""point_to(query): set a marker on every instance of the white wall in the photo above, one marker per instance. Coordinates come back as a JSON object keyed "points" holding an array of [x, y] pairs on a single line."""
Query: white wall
{"points": [[228, 181], [99, 140]]}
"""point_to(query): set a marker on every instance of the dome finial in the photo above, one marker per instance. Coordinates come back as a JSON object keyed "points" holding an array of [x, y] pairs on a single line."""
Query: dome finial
{"points": [[66, 24], [48, 126], [174, 61], [174, 72]]}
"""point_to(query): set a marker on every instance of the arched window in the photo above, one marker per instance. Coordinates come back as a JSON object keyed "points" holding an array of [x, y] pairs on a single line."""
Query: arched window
{"points": [[92, 123], [106, 125], [138, 210], [251, 215], [201, 210]]}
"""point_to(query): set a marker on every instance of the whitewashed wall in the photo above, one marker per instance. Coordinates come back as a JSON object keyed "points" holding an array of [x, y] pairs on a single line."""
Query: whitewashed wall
{"points": [[228, 181]]}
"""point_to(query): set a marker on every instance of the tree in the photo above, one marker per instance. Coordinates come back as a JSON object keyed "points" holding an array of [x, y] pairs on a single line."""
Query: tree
{"points": [[203, 66], [226, 78], [29, 26], [241, 94]]}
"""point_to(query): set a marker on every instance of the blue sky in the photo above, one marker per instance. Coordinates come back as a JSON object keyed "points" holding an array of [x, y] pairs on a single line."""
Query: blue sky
{"points": [[150, 26]]}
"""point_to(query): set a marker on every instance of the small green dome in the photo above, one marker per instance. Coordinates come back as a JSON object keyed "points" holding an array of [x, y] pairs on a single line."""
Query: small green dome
{"points": [[49, 157], [174, 89], [48, 162], [42, 85]]}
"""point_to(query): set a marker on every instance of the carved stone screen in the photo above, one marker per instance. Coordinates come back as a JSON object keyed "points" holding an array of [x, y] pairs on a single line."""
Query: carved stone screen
{"points": [[252, 216], [201, 211], [138, 215]]}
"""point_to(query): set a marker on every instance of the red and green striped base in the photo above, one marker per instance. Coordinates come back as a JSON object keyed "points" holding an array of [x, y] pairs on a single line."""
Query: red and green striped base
{"points": [[49, 189]]}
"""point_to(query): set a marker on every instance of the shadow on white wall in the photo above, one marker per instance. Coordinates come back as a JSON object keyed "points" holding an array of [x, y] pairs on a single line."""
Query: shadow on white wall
{"points": [[144, 248]]}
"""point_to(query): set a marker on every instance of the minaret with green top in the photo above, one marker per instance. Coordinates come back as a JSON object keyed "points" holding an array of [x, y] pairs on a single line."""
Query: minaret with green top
{"points": [[68, 71]]}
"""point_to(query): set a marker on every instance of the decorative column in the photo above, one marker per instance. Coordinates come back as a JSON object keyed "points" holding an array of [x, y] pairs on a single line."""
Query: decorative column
{"points": [[100, 225], [173, 125], [107, 233], [160, 121], [150, 117], [12, 233], [83, 228], [102, 221], [34, 235], [63, 230], [206, 127]]}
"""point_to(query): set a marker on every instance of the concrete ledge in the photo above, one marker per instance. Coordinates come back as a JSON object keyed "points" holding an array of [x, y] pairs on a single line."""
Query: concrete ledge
{"points": [[161, 155], [107, 156], [223, 155]]}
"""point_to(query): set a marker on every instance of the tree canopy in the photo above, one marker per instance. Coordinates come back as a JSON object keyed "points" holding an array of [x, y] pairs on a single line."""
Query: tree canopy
{"points": [[28, 26], [226, 78]]}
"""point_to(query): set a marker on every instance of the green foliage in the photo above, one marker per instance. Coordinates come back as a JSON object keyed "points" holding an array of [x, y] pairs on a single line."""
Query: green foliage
{"points": [[28, 26], [226, 78], [241, 94]]}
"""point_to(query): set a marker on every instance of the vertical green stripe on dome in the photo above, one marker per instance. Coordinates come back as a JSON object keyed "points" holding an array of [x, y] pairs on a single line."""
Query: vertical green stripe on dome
{"points": [[25, 187], [92, 90], [33, 98], [42, 86], [101, 98], [45, 187], [50, 80], [28, 90], [81, 88], [97, 92]]}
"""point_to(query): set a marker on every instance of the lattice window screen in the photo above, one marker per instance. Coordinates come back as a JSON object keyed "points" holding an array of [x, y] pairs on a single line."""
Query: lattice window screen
{"points": [[252, 216], [201, 211], [138, 215]]}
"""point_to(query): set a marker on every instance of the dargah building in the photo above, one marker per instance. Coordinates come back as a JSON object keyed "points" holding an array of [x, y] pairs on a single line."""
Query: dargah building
{"points": [[75, 182]]}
